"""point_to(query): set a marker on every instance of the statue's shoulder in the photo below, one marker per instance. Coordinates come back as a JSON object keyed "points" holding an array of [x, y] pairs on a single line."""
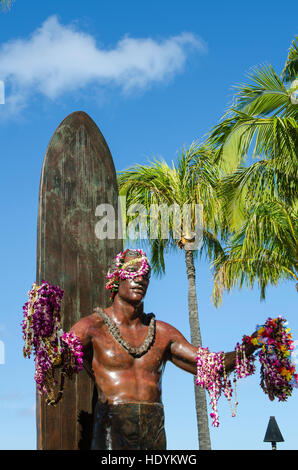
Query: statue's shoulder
{"points": [[164, 326], [84, 326], [98, 316], [167, 330]]}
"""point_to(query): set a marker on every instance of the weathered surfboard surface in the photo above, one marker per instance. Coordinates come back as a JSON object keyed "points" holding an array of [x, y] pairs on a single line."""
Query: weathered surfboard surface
{"points": [[78, 174]]}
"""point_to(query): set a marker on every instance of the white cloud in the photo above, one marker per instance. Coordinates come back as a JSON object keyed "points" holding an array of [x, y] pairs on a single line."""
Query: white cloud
{"points": [[56, 59]]}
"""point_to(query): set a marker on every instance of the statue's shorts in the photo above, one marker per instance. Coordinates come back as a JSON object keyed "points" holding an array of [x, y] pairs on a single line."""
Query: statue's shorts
{"points": [[130, 426]]}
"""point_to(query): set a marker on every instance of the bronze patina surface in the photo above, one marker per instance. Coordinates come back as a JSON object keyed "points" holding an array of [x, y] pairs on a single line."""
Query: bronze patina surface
{"points": [[78, 174]]}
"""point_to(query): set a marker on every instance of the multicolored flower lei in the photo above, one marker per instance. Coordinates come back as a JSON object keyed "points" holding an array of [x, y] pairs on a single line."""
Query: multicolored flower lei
{"points": [[278, 373], [44, 337], [121, 272]]}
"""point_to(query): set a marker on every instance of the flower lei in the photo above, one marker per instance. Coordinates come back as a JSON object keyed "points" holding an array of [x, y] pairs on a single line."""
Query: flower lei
{"points": [[278, 375], [44, 336], [212, 376], [121, 272]]}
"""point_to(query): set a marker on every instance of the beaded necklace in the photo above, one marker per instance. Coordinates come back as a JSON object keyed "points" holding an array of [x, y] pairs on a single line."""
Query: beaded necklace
{"points": [[115, 332]]}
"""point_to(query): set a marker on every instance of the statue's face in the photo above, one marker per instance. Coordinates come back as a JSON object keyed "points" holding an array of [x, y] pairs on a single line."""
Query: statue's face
{"points": [[134, 290]]}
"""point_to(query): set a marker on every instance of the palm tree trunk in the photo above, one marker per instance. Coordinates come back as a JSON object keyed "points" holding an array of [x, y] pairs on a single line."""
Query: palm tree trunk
{"points": [[200, 393]]}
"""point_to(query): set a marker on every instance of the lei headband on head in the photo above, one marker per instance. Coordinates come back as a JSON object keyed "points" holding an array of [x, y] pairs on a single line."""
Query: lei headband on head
{"points": [[120, 271]]}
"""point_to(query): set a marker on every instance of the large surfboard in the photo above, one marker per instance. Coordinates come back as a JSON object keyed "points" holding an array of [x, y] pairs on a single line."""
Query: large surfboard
{"points": [[78, 174]]}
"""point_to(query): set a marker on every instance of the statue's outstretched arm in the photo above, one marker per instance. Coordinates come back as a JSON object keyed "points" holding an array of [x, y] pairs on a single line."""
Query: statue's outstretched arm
{"points": [[184, 355]]}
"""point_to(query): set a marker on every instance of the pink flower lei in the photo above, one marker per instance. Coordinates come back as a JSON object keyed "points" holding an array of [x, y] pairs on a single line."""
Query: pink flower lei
{"points": [[44, 337], [212, 376], [120, 271]]}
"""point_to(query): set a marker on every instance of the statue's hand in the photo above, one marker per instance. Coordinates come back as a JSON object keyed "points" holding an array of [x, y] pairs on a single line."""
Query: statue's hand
{"points": [[254, 338], [252, 343]]}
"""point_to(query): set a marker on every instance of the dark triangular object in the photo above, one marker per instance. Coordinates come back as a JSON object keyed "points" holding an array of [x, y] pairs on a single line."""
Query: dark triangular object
{"points": [[273, 433]]}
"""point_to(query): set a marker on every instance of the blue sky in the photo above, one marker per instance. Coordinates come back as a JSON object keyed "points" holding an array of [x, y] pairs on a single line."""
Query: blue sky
{"points": [[154, 76]]}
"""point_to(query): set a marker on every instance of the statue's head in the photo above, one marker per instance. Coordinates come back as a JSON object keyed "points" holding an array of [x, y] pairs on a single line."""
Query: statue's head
{"points": [[130, 272]]}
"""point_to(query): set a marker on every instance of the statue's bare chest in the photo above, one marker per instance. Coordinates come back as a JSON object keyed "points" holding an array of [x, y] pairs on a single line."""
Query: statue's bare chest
{"points": [[128, 351]]}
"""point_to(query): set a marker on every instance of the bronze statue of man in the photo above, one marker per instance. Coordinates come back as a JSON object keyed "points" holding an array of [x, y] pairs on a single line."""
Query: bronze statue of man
{"points": [[130, 351]]}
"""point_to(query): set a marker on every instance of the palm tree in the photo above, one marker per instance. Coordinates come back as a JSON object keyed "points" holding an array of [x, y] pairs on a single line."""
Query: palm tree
{"points": [[259, 201], [190, 184]]}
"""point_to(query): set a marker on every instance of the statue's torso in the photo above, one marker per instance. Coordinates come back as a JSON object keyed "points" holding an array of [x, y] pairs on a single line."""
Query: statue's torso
{"points": [[122, 378]]}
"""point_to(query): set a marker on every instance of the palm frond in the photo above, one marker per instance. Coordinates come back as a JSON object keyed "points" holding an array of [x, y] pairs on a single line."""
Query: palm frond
{"points": [[264, 250], [269, 137], [240, 272], [290, 69], [263, 95], [262, 180]]}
